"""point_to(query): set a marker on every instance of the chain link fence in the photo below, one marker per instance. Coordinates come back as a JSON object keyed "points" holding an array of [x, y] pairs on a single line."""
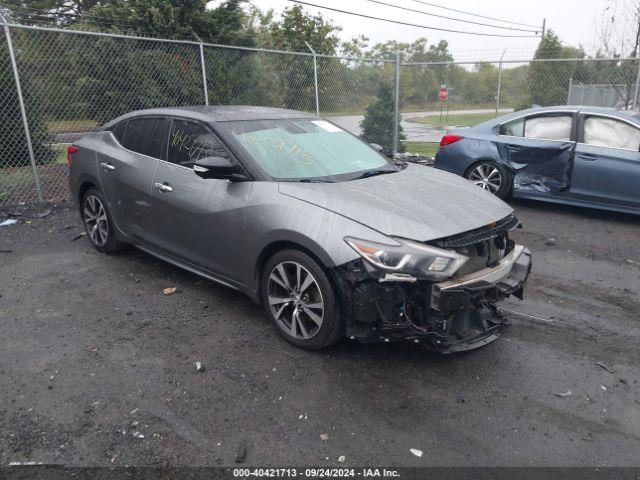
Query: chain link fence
{"points": [[74, 81]]}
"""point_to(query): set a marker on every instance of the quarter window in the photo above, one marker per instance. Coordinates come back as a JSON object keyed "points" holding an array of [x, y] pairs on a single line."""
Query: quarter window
{"points": [[514, 128], [608, 132], [119, 131], [191, 141], [146, 136]]}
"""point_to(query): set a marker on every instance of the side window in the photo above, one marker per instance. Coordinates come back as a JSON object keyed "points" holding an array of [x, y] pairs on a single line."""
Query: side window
{"points": [[514, 128], [549, 127], [119, 130], [191, 141], [608, 132], [146, 136]]}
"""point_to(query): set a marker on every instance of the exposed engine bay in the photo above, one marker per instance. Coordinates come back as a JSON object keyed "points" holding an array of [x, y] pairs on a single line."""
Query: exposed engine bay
{"points": [[450, 314]]}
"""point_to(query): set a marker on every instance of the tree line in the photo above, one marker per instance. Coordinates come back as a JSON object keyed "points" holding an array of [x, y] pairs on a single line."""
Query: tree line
{"points": [[89, 80]]}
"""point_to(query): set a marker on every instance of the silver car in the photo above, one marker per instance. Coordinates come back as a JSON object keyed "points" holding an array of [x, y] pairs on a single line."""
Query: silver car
{"points": [[331, 237]]}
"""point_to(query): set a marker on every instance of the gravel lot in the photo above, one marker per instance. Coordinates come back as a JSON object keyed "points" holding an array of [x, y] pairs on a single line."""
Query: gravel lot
{"points": [[97, 365]]}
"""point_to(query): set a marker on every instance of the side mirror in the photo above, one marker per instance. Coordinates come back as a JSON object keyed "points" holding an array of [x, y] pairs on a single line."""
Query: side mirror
{"points": [[218, 167], [376, 147]]}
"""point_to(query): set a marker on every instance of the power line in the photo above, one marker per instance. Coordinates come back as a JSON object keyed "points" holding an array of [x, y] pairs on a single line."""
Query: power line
{"points": [[451, 18], [411, 24], [475, 14]]}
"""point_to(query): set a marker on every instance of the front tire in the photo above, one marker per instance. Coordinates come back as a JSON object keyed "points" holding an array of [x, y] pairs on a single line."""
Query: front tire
{"points": [[98, 222], [299, 299], [491, 176]]}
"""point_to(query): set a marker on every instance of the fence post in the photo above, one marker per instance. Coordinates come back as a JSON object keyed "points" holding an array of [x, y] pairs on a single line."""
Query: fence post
{"points": [[204, 75], [635, 95], [23, 111], [569, 92], [396, 106], [315, 77], [499, 82]]}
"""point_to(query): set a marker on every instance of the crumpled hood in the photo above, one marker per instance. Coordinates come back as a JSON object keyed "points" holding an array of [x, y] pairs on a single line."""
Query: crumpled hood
{"points": [[418, 203]]}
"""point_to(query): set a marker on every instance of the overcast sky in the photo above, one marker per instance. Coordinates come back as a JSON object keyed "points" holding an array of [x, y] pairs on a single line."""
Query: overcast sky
{"points": [[575, 21]]}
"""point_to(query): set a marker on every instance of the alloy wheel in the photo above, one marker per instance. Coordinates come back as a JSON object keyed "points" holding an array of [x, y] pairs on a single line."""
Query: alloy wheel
{"points": [[295, 300], [487, 177], [96, 221]]}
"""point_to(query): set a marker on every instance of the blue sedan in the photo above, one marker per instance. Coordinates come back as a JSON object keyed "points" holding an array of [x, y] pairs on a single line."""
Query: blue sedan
{"points": [[584, 156]]}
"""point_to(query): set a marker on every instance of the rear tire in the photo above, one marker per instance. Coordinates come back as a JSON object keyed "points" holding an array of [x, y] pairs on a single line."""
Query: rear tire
{"points": [[300, 301], [98, 223], [491, 176]]}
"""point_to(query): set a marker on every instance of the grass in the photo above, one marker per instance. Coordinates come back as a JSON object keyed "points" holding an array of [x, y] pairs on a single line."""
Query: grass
{"points": [[424, 149], [61, 153], [80, 125], [458, 120]]}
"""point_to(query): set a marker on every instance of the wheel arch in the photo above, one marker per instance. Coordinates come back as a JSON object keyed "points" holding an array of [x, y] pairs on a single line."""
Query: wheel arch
{"points": [[478, 161], [84, 187], [321, 258]]}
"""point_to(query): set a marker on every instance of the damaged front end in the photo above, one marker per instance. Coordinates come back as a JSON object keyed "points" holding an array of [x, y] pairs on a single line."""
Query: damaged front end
{"points": [[442, 293]]}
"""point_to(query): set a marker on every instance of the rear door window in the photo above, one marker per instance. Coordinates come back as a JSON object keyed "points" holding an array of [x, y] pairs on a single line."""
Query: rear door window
{"points": [[549, 127], [146, 136], [609, 132], [191, 141], [543, 127]]}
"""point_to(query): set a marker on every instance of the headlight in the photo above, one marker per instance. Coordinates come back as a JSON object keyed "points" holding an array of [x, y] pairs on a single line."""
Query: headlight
{"points": [[409, 257]]}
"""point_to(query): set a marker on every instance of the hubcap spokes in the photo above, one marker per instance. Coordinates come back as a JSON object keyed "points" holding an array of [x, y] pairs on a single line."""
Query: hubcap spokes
{"points": [[295, 300], [486, 177], [95, 219]]}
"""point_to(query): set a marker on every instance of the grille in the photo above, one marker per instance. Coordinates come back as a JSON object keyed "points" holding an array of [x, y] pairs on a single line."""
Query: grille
{"points": [[480, 234]]}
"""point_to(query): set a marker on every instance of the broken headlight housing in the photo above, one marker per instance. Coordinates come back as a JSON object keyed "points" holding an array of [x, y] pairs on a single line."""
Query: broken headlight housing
{"points": [[409, 258]]}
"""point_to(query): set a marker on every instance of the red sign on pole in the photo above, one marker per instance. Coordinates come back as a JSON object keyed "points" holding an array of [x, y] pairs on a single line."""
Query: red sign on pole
{"points": [[443, 93]]}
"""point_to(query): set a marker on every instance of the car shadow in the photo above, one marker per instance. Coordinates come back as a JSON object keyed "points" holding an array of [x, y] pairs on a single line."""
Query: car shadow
{"points": [[405, 353], [586, 212]]}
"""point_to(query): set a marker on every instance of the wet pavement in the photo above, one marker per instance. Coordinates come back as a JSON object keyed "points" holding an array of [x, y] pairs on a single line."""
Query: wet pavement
{"points": [[97, 366]]}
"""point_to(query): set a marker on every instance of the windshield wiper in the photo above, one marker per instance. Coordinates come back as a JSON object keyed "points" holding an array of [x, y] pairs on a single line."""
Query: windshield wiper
{"points": [[314, 180], [371, 173]]}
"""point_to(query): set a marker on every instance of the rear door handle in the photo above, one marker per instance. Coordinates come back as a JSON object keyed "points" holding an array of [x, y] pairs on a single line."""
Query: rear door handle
{"points": [[588, 157], [107, 166], [163, 187]]}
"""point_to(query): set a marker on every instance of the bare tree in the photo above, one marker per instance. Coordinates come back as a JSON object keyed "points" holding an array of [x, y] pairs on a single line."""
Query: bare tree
{"points": [[619, 33]]}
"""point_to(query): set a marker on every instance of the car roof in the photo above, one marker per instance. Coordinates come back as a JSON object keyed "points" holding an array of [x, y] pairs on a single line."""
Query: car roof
{"points": [[217, 113], [633, 115]]}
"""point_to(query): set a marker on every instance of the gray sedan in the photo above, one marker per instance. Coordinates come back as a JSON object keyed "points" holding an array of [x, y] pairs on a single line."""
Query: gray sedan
{"points": [[331, 237]]}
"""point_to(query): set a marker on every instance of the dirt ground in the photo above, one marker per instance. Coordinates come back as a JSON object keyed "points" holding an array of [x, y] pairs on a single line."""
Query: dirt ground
{"points": [[97, 365]]}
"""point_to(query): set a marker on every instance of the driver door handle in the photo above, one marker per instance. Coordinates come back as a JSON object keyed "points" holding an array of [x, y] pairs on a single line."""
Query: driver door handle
{"points": [[587, 156], [107, 166], [163, 187]]}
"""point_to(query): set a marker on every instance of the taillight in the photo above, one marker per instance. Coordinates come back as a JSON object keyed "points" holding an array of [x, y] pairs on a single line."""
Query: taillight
{"points": [[449, 138], [71, 149]]}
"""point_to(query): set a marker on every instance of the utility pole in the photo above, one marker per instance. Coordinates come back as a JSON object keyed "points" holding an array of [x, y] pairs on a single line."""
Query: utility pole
{"points": [[544, 26], [499, 82]]}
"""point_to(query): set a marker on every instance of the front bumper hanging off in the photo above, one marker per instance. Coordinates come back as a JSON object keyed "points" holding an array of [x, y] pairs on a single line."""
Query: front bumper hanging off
{"points": [[490, 284], [449, 316]]}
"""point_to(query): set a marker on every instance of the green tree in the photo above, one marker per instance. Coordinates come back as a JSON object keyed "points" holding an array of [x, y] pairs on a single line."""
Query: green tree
{"points": [[377, 125], [548, 82], [294, 28], [60, 12], [227, 24], [297, 27]]}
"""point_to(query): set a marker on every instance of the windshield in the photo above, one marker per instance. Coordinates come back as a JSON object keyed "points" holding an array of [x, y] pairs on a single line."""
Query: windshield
{"points": [[296, 149]]}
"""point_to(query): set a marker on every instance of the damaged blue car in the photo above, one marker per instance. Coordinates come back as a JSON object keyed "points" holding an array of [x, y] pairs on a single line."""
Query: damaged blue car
{"points": [[583, 156]]}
